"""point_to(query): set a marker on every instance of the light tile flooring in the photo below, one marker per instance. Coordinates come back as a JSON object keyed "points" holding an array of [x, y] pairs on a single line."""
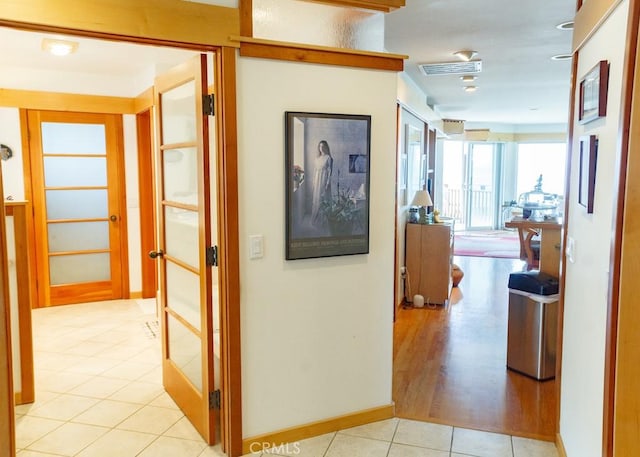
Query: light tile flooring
{"points": [[99, 394]]}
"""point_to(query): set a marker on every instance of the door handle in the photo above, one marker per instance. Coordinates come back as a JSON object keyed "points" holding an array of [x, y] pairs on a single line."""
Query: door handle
{"points": [[113, 218], [156, 254]]}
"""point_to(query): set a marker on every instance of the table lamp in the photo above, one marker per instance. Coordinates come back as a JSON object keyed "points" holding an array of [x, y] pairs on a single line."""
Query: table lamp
{"points": [[422, 199]]}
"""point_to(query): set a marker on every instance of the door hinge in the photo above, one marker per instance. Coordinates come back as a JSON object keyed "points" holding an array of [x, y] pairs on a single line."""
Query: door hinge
{"points": [[214, 399], [212, 256], [208, 105]]}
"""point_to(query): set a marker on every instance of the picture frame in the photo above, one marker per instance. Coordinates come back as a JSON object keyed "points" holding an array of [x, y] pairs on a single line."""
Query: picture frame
{"points": [[327, 182], [587, 171], [593, 93]]}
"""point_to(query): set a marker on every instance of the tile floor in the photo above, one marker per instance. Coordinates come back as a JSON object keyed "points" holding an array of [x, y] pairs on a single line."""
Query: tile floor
{"points": [[99, 394]]}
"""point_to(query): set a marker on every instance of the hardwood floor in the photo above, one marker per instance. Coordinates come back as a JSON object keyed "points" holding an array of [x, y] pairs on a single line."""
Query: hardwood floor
{"points": [[450, 362]]}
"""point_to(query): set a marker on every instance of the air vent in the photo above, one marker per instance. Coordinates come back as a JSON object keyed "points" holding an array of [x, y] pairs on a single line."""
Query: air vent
{"points": [[451, 68]]}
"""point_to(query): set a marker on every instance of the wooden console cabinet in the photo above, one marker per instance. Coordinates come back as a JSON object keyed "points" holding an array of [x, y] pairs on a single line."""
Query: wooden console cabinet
{"points": [[429, 256]]}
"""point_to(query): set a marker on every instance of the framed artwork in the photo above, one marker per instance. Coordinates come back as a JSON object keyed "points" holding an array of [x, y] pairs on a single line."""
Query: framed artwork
{"points": [[587, 171], [327, 164], [593, 93]]}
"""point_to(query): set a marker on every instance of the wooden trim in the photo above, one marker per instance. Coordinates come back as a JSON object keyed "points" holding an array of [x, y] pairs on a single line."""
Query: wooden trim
{"points": [[56, 101], [31, 231], [143, 102], [142, 20], [146, 196], [589, 18], [563, 242], [19, 212], [278, 50], [385, 6], [396, 251], [123, 216], [562, 452], [312, 429], [7, 418], [621, 404], [246, 17], [136, 294], [228, 233]]}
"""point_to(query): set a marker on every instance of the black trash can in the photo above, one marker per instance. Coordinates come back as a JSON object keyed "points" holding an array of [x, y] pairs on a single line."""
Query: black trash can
{"points": [[532, 324]]}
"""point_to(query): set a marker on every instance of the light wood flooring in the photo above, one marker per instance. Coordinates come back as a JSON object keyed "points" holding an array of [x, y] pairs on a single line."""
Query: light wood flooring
{"points": [[450, 362]]}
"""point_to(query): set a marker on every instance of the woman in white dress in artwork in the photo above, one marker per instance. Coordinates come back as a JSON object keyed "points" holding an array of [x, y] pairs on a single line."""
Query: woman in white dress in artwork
{"points": [[323, 168]]}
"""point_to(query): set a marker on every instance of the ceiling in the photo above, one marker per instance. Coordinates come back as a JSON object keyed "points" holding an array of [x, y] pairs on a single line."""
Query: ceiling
{"points": [[515, 39], [519, 83]]}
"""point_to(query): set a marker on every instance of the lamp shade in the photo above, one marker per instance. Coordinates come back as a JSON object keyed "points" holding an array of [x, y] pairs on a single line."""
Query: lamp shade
{"points": [[422, 198]]}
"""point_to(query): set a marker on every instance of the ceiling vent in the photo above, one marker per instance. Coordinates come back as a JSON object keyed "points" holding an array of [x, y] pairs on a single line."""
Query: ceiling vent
{"points": [[451, 68]]}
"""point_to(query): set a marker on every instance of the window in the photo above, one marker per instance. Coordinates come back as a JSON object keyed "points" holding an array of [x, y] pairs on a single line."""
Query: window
{"points": [[546, 159]]}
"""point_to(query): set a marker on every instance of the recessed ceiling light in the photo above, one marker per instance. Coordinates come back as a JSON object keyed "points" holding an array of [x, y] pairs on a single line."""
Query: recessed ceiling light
{"points": [[468, 78], [565, 25], [465, 55], [59, 47], [470, 88], [562, 57]]}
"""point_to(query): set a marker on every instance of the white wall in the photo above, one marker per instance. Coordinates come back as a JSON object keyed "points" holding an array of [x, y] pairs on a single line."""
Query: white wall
{"points": [[12, 176], [316, 333], [132, 202], [414, 99], [586, 280]]}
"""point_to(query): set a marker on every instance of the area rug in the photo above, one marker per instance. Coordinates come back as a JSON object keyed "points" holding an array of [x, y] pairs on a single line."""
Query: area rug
{"points": [[498, 243]]}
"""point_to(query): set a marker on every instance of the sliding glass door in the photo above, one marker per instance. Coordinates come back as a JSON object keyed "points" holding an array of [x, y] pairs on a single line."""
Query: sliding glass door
{"points": [[471, 174]]}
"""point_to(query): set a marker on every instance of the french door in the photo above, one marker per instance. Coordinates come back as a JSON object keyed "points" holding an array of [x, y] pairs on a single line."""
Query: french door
{"points": [[187, 271], [481, 186], [471, 174], [77, 181]]}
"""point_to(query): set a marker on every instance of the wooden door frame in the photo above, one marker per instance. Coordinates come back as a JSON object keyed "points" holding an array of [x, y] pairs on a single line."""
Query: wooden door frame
{"points": [[7, 424], [146, 197], [231, 412]]}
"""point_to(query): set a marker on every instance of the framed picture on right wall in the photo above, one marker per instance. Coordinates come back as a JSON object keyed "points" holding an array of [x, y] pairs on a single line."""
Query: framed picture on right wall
{"points": [[593, 93], [587, 171]]}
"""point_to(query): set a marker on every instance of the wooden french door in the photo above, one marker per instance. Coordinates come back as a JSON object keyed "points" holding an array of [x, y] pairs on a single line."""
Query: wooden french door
{"points": [[77, 186], [186, 270]]}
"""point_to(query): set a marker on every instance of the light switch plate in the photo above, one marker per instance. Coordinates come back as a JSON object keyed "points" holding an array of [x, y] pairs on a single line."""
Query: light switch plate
{"points": [[256, 246], [570, 250]]}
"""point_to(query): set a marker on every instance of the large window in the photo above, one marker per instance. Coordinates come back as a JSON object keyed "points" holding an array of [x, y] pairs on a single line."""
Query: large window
{"points": [[546, 159]]}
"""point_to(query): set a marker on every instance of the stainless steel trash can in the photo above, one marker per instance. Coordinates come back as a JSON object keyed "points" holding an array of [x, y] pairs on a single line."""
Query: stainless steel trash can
{"points": [[532, 334]]}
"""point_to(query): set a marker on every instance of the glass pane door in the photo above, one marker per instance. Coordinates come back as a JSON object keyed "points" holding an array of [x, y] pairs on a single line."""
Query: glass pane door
{"points": [[76, 164], [185, 233], [481, 205]]}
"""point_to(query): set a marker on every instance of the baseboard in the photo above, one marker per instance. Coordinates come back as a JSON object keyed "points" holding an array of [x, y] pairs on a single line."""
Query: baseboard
{"points": [[293, 434], [562, 452], [135, 294], [17, 398]]}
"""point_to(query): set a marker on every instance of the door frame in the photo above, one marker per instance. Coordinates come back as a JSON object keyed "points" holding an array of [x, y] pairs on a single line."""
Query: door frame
{"points": [[7, 427], [228, 232], [146, 197]]}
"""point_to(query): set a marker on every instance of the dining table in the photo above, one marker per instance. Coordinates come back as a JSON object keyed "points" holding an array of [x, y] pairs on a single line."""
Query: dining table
{"points": [[550, 231]]}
